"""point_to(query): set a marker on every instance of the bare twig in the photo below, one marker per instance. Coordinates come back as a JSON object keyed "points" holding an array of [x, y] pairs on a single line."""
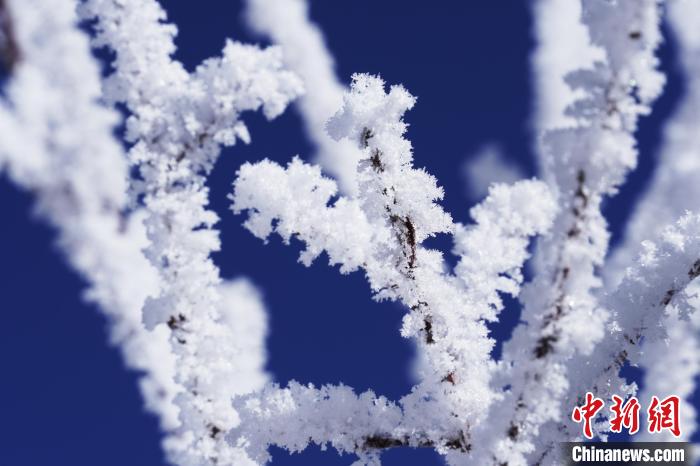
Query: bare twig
{"points": [[383, 442]]}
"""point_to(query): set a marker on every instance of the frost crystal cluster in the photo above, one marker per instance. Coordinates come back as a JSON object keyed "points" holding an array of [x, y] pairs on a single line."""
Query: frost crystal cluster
{"points": [[133, 217]]}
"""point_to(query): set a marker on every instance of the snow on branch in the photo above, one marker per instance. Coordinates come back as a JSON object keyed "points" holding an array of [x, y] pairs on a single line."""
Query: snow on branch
{"points": [[177, 125], [295, 202], [382, 231], [243, 313], [563, 46], [287, 23], [671, 366], [331, 415], [583, 164], [673, 190], [497, 246], [638, 307], [669, 196], [52, 129]]}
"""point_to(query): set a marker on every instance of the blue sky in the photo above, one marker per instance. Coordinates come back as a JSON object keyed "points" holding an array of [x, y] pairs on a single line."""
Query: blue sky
{"points": [[65, 398]]}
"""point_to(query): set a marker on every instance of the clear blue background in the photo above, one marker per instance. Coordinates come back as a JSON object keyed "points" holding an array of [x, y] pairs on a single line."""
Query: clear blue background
{"points": [[65, 397]]}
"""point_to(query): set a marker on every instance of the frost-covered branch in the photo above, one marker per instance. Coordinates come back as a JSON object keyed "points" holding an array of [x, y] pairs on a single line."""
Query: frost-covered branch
{"points": [[563, 46], [288, 24], [638, 306], [244, 315], [382, 231], [178, 123], [294, 416], [57, 142], [671, 366], [672, 363], [584, 164]]}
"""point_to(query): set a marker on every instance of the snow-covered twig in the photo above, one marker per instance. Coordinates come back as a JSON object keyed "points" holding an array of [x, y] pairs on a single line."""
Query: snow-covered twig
{"points": [[57, 142], [563, 47], [672, 363], [583, 164], [382, 231], [178, 123], [288, 24], [638, 306]]}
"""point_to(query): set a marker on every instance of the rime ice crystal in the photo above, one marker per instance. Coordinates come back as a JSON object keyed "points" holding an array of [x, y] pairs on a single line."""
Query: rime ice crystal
{"points": [[52, 127], [382, 231], [583, 163], [178, 123]]}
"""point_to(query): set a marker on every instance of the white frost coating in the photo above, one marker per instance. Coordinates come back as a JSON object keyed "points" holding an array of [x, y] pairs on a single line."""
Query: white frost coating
{"points": [[673, 190], [671, 365], [178, 123], [297, 199], [243, 313], [583, 164], [497, 246], [381, 231], [563, 46], [658, 281], [288, 24], [57, 142], [298, 415], [674, 184]]}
